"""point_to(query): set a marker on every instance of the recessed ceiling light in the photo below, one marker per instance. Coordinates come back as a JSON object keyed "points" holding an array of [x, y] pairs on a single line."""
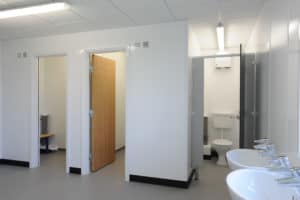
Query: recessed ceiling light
{"points": [[33, 10], [221, 37]]}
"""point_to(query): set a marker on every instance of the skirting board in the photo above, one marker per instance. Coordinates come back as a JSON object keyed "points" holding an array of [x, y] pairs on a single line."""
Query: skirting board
{"points": [[14, 163], [75, 170], [164, 182]]}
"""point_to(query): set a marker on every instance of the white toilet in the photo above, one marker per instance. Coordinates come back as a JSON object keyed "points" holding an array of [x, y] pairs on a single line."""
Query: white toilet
{"points": [[221, 122], [222, 146]]}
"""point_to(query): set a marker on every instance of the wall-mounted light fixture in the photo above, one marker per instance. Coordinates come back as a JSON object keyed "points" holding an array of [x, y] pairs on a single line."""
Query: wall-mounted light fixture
{"points": [[220, 36], [33, 10]]}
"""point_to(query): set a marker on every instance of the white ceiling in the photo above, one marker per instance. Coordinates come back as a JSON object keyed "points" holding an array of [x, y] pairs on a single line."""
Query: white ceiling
{"points": [[238, 17]]}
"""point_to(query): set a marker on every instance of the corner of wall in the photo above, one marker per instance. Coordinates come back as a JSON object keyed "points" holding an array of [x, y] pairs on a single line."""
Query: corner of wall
{"points": [[1, 99], [194, 49], [249, 44]]}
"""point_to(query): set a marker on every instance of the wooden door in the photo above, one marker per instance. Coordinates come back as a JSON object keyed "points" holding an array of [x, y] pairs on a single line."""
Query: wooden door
{"points": [[103, 106]]}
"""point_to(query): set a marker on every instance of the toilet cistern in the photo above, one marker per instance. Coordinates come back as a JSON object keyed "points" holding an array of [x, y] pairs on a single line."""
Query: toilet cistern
{"points": [[222, 121]]}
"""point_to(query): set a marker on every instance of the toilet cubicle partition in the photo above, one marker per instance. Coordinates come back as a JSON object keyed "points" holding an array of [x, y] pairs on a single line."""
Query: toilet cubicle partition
{"points": [[197, 111]]}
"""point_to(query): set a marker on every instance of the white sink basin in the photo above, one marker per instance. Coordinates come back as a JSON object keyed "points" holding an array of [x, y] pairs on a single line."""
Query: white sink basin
{"points": [[245, 159], [250, 184]]}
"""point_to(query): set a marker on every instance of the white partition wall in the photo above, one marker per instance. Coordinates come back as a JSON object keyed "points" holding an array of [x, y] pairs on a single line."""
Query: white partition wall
{"points": [[276, 44], [1, 99], [197, 111], [157, 107], [156, 96]]}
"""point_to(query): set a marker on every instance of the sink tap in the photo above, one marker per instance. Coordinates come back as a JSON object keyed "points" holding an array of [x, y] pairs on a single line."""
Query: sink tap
{"points": [[293, 179], [264, 147], [262, 141], [289, 176], [263, 144], [279, 163], [266, 150]]}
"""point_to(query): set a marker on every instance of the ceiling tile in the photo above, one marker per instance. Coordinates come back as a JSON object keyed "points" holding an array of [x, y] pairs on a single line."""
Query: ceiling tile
{"points": [[207, 9], [100, 13], [20, 22], [235, 9], [145, 11], [187, 9], [61, 17], [63, 29], [19, 27]]}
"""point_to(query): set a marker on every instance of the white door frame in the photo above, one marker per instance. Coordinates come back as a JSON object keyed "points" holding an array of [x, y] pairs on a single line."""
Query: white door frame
{"points": [[85, 157], [35, 132]]}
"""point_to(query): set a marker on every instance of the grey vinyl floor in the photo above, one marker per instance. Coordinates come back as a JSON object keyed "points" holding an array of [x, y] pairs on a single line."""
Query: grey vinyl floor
{"points": [[49, 182]]}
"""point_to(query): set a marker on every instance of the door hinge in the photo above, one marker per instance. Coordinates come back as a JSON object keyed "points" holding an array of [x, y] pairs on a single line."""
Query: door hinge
{"points": [[92, 113], [90, 157]]}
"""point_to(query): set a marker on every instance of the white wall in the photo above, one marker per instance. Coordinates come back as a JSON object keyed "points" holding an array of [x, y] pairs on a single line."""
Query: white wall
{"points": [[222, 95], [1, 99], [52, 96], [157, 82], [275, 40], [194, 45], [119, 58]]}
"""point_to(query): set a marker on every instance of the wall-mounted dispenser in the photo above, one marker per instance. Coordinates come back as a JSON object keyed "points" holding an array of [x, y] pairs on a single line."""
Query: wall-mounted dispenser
{"points": [[223, 62]]}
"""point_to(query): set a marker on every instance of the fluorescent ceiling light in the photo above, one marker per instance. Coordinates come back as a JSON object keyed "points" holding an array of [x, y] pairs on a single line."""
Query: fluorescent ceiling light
{"points": [[33, 10], [220, 35]]}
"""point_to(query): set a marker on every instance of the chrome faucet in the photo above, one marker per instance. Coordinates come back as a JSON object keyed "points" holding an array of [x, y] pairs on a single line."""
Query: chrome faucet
{"points": [[262, 141], [262, 144], [266, 150], [293, 179], [279, 163]]}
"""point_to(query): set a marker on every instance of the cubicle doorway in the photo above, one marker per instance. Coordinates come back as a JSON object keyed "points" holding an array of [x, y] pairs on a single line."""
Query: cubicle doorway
{"points": [[52, 106]]}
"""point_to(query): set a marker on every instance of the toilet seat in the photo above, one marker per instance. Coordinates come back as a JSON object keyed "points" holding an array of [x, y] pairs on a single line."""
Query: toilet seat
{"points": [[222, 142]]}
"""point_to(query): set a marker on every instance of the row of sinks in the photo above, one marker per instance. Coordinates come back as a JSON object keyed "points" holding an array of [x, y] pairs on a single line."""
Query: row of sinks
{"points": [[251, 179]]}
